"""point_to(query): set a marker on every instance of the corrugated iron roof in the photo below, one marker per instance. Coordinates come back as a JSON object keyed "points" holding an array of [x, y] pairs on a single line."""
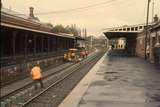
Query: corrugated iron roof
{"points": [[17, 17]]}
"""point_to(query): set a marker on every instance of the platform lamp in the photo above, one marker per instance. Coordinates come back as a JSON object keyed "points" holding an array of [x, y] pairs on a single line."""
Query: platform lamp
{"points": [[146, 29]]}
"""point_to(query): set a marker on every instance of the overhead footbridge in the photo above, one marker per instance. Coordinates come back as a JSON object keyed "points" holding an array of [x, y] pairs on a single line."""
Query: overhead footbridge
{"points": [[129, 32]]}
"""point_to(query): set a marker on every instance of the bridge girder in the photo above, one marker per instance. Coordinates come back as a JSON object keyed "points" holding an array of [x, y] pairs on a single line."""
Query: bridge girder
{"points": [[112, 35]]}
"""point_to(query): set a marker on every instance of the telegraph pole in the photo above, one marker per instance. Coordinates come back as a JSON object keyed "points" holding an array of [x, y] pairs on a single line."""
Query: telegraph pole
{"points": [[152, 12], [146, 40]]}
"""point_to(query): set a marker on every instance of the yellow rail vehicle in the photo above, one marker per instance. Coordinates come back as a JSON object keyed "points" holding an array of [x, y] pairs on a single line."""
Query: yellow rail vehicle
{"points": [[72, 55]]}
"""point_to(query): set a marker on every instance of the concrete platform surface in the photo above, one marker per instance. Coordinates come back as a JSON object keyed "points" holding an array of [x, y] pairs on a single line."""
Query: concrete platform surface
{"points": [[117, 82]]}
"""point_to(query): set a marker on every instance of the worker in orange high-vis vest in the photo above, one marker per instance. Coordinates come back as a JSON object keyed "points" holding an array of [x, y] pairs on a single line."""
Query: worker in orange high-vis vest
{"points": [[36, 75]]}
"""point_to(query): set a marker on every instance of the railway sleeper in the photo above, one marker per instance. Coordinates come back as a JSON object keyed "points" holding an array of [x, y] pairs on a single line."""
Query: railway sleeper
{"points": [[28, 93]]}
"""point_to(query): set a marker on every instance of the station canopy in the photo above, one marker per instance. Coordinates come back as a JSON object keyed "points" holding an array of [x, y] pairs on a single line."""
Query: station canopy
{"points": [[112, 35]]}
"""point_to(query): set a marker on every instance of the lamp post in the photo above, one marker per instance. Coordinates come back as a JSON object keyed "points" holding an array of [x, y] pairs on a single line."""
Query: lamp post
{"points": [[146, 29]]}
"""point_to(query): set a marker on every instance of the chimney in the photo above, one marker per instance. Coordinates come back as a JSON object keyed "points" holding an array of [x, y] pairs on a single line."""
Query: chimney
{"points": [[31, 12], [156, 18]]}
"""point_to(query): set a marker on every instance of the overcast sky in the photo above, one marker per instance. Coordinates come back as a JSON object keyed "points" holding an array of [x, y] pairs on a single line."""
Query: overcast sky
{"points": [[109, 14]]}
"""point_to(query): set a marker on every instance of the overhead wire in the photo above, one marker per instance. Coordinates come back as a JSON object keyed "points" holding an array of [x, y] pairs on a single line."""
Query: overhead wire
{"points": [[75, 9], [121, 3], [100, 5], [94, 6], [79, 8]]}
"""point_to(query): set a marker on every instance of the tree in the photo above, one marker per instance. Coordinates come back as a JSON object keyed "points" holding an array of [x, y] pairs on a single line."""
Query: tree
{"points": [[74, 30], [58, 29], [68, 29]]}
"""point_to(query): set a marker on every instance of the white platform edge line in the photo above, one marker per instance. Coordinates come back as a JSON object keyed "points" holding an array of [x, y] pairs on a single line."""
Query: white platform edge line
{"points": [[73, 99]]}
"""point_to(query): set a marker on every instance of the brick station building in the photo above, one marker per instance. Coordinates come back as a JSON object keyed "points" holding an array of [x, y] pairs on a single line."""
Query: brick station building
{"points": [[153, 40], [25, 40]]}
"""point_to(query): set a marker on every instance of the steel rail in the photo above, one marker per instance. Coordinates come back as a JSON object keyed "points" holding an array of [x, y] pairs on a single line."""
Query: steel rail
{"points": [[56, 82], [7, 96], [29, 84]]}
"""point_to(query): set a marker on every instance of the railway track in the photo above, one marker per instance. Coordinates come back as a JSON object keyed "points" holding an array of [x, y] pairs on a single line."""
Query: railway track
{"points": [[21, 76], [30, 98], [31, 84], [45, 98]]}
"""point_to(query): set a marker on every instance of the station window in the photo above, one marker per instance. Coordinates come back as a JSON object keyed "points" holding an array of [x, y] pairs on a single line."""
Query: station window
{"points": [[19, 44], [128, 29], [140, 27], [6, 42], [132, 29], [136, 28], [124, 29], [38, 44]]}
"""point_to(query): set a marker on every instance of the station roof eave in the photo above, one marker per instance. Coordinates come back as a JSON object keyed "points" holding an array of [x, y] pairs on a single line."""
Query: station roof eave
{"points": [[79, 38], [34, 30], [112, 35], [12, 19]]}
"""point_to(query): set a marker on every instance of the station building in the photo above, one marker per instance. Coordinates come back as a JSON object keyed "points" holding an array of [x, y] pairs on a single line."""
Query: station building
{"points": [[134, 37], [153, 40], [25, 40]]}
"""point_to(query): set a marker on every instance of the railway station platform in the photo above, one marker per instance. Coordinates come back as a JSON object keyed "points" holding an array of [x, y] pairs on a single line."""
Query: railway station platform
{"points": [[117, 82]]}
